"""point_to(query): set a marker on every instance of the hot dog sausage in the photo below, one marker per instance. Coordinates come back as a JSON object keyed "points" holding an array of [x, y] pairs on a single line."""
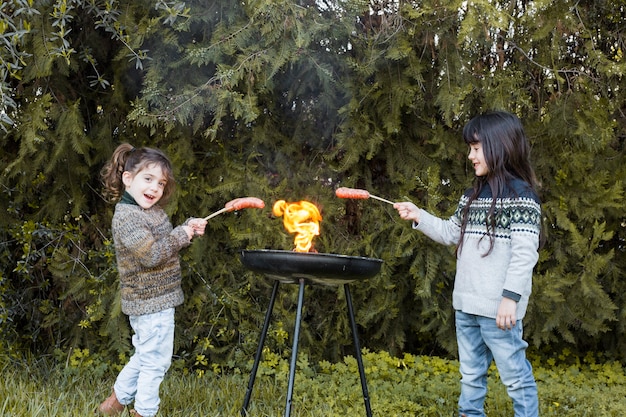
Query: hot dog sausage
{"points": [[354, 193], [244, 202]]}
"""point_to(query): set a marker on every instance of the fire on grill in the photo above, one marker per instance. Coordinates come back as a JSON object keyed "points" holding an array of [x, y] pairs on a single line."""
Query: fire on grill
{"points": [[302, 219]]}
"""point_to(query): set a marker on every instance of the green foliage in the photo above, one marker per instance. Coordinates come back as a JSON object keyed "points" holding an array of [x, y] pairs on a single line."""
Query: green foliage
{"points": [[288, 100]]}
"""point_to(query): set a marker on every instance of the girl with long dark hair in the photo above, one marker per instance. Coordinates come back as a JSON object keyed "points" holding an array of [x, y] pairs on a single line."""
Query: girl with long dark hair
{"points": [[496, 229]]}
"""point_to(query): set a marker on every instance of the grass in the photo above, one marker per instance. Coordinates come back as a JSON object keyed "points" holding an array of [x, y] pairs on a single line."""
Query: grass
{"points": [[407, 386]]}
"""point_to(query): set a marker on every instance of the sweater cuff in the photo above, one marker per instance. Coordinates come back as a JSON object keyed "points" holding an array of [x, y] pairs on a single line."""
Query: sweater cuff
{"points": [[182, 236], [512, 295]]}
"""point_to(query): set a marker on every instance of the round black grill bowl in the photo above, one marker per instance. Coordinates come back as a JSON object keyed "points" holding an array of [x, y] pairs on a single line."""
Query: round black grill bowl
{"points": [[320, 268]]}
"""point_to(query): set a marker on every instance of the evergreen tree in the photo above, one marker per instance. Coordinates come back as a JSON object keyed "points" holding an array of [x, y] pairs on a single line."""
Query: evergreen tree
{"points": [[290, 99]]}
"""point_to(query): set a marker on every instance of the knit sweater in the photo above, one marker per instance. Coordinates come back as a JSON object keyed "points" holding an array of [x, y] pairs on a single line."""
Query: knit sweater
{"points": [[482, 281], [146, 248]]}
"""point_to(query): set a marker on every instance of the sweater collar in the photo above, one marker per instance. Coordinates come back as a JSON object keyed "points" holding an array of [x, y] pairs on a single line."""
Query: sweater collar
{"points": [[128, 199]]}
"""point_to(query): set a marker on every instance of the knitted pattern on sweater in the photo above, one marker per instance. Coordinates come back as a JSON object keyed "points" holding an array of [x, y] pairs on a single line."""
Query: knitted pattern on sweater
{"points": [[482, 280], [146, 248]]}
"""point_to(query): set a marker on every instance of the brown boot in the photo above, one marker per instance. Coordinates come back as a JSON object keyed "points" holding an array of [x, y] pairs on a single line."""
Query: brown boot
{"points": [[134, 413], [111, 406]]}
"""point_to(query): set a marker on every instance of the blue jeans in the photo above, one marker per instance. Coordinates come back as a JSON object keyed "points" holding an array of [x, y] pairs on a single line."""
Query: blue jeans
{"points": [[481, 341], [140, 379]]}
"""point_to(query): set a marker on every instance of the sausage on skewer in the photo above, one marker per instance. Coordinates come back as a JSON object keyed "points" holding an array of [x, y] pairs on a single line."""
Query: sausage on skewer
{"points": [[245, 202], [352, 193], [238, 204], [357, 193]]}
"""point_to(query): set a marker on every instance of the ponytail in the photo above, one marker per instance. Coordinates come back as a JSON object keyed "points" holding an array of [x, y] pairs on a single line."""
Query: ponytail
{"points": [[112, 171]]}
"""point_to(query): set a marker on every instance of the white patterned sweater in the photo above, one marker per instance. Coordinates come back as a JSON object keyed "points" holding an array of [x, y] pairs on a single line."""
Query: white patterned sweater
{"points": [[482, 281]]}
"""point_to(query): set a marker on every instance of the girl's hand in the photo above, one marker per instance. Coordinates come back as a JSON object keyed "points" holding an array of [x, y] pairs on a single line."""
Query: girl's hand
{"points": [[408, 211], [505, 318], [197, 225]]}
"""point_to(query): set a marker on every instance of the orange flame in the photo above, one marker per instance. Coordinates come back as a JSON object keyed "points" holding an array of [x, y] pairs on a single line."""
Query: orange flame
{"points": [[300, 218]]}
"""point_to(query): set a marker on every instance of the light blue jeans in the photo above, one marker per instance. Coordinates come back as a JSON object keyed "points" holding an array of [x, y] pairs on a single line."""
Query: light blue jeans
{"points": [[140, 379], [481, 341]]}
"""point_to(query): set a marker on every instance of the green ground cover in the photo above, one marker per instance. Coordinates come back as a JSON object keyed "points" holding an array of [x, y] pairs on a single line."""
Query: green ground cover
{"points": [[406, 386]]}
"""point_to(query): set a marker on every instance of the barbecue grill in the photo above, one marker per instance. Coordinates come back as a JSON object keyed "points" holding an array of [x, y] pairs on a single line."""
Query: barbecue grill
{"points": [[303, 268]]}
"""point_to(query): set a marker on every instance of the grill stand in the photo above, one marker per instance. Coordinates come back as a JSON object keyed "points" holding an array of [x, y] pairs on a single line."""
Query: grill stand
{"points": [[294, 351]]}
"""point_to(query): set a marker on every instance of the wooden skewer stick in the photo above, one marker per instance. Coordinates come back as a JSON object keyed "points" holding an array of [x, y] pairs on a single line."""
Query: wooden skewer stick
{"points": [[381, 199], [224, 210]]}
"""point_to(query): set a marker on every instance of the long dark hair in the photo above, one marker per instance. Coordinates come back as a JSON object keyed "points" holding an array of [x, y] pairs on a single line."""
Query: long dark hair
{"points": [[128, 158], [507, 155]]}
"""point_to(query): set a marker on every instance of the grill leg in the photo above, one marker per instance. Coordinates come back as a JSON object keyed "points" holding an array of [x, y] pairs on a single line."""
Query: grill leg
{"points": [[259, 350], [294, 349], [357, 350]]}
